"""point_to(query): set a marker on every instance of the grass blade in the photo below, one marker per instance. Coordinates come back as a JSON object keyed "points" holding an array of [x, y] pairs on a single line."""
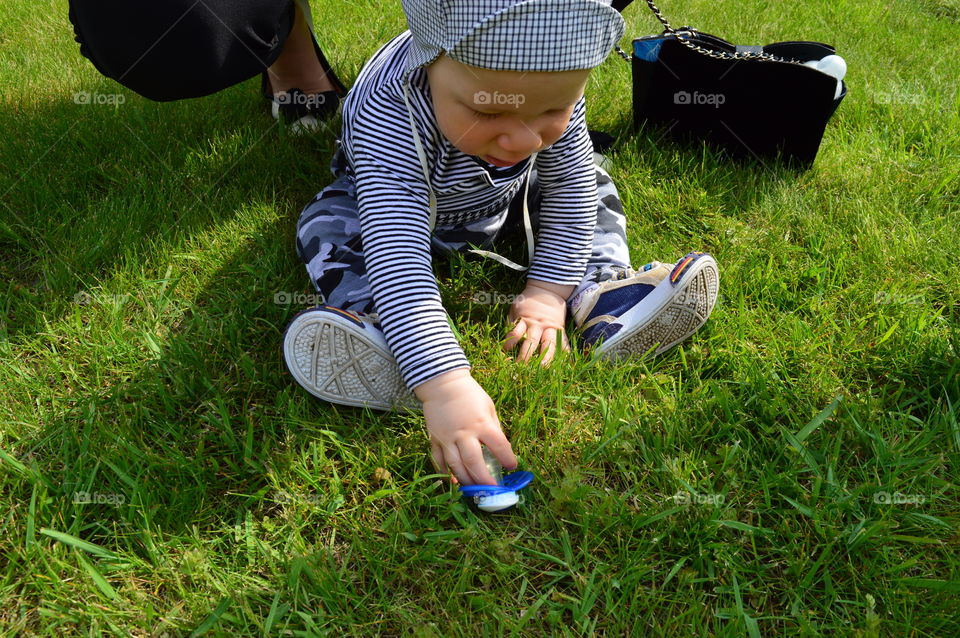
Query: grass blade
{"points": [[105, 587], [818, 420], [212, 619], [78, 543], [743, 527]]}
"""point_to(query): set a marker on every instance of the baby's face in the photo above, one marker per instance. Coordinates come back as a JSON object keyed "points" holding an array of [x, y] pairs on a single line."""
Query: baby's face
{"points": [[502, 117]]}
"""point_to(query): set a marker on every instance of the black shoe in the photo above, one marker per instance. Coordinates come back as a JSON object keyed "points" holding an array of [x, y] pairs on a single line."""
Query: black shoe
{"points": [[602, 142], [301, 112]]}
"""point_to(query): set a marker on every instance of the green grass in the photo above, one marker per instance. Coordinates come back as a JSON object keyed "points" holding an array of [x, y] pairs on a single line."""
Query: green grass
{"points": [[735, 486]]}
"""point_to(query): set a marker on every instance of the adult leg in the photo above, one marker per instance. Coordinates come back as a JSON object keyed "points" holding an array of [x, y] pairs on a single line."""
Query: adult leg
{"points": [[301, 65], [178, 49]]}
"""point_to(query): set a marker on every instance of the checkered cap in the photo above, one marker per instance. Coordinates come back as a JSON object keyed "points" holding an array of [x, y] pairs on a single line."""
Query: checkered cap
{"points": [[513, 35]]}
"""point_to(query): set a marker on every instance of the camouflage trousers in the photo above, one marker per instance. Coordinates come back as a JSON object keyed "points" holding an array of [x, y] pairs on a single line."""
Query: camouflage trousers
{"points": [[328, 238]]}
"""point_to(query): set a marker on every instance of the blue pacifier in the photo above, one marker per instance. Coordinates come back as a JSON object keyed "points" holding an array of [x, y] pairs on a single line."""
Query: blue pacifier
{"points": [[499, 497]]}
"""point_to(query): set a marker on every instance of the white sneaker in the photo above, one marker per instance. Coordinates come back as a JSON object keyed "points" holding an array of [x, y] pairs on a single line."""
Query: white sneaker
{"points": [[343, 357], [651, 310]]}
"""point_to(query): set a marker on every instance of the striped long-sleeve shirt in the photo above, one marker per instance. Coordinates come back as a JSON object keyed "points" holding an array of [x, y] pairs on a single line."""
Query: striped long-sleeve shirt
{"points": [[393, 199]]}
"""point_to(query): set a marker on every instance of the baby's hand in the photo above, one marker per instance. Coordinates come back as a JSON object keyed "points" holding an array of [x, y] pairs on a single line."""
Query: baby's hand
{"points": [[460, 416], [538, 317]]}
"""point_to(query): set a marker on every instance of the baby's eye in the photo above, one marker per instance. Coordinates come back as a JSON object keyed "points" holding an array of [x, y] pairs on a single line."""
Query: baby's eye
{"points": [[485, 116]]}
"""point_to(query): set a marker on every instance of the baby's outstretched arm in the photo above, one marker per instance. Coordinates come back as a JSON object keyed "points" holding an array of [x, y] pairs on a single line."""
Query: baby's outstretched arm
{"points": [[460, 416], [537, 317]]}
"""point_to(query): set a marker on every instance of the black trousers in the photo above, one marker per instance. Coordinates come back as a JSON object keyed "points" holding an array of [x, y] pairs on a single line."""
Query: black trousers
{"points": [[174, 49]]}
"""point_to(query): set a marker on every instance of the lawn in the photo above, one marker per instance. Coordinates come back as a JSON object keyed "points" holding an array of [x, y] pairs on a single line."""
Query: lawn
{"points": [[790, 470]]}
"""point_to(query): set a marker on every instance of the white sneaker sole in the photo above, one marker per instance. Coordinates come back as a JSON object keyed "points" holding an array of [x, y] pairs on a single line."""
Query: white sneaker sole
{"points": [[672, 313], [338, 361], [304, 126]]}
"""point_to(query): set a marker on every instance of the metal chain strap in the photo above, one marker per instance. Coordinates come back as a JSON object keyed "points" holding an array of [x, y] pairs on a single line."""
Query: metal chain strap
{"points": [[719, 55]]}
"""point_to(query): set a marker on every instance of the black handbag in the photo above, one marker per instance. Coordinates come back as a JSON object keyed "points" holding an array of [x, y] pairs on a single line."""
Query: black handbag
{"points": [[752, 101]]}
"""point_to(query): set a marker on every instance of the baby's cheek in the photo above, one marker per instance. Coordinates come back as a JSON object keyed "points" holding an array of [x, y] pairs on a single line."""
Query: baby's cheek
{"points": [[555, 131], [454, 129], [552, 136]]}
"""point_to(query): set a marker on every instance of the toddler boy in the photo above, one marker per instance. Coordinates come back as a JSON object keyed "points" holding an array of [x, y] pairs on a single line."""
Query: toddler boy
{"points": [[476, 110]]}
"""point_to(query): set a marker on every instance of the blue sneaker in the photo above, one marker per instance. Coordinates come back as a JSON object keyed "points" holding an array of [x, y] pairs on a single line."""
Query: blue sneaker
{"points": [[647, 311], [343, 357]]}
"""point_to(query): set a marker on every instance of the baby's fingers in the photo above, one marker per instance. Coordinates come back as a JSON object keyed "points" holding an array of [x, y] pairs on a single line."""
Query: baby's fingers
{"points": [[439, 461], [460, 472], [548, 345], [515, 336], [530, 345], [472, 458], [498, 444]]}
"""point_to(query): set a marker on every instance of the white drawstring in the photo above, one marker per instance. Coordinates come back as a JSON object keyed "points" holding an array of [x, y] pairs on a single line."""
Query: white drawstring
{"points": [[423, 159], [527, 226]]}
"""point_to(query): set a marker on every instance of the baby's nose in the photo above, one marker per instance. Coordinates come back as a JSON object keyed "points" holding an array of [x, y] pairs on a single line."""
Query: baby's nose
{"points": [[520, 139]]}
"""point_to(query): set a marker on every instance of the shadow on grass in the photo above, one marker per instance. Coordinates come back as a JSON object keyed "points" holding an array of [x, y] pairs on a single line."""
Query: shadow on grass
{"points": [[100, 194], [90, 189], [205, 429]]}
